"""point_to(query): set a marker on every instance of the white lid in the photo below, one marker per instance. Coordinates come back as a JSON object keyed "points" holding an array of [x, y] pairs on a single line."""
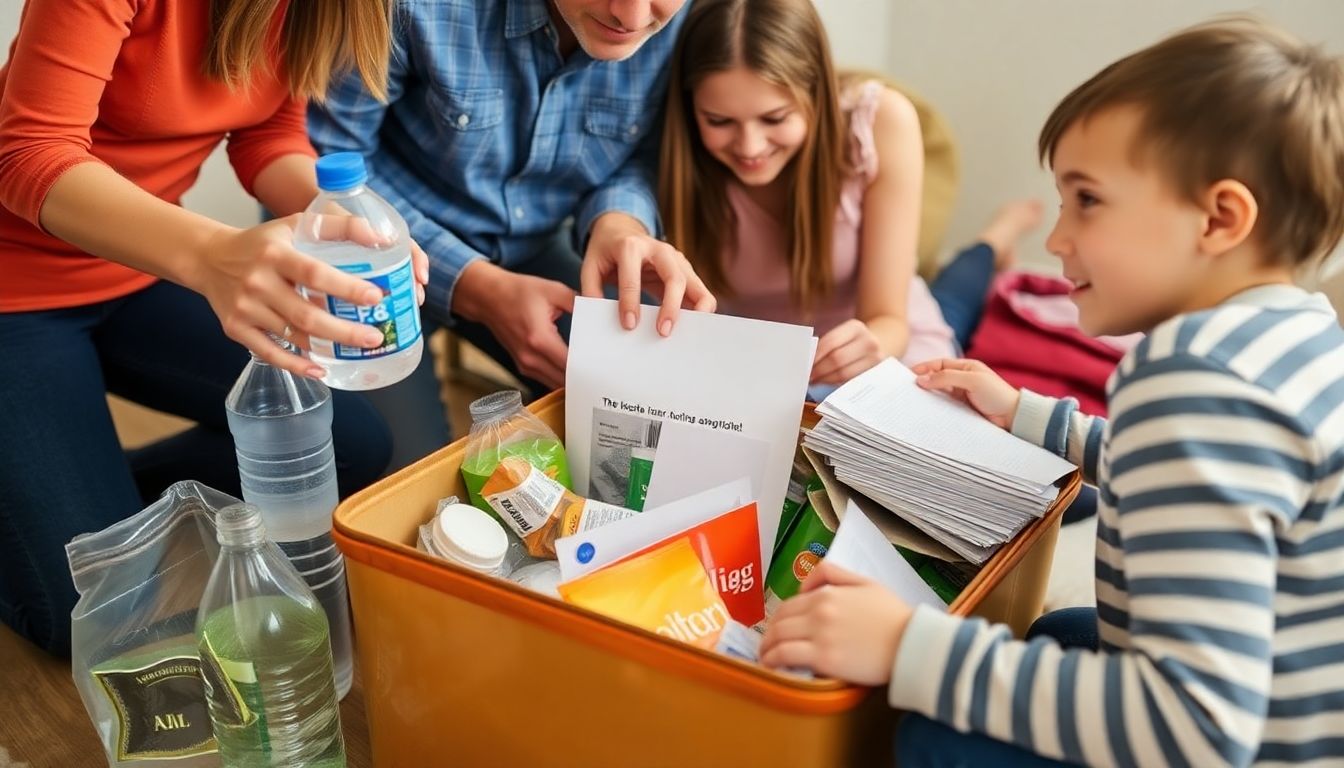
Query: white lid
{"points": [[470, 536]]}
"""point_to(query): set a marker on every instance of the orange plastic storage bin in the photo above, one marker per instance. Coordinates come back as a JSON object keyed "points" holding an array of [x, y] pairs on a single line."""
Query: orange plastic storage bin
{"points": [[460, 669]]}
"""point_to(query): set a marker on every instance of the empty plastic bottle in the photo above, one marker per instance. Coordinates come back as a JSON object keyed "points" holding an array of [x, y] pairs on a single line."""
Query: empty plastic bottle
{"points": [[281, 425]]}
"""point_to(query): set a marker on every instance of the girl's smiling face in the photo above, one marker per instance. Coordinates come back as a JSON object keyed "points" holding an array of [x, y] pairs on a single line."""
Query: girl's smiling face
{"points": [[752, 126]]}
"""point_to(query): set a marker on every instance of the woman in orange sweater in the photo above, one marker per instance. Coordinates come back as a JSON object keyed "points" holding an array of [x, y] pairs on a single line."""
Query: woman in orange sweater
{"points": [[108, 108]]}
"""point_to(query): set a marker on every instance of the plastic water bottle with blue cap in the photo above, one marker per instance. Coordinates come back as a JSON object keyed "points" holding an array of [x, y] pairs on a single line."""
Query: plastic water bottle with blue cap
{"points": [[353, 229]]}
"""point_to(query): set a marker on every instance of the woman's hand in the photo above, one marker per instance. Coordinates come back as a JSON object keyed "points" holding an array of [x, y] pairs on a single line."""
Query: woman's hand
{"points": [[249, 276]]}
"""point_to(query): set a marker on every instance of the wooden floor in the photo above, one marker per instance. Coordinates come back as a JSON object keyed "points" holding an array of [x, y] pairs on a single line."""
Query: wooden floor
{"points": [[42, 720], [43, 723]]}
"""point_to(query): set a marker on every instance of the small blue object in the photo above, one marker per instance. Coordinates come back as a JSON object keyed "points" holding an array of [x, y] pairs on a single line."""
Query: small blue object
{"points": [[586, 552], [340, 171]]}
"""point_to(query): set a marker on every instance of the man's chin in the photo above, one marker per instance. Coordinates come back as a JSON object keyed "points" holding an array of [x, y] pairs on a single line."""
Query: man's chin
{"points": [[608, 50]]}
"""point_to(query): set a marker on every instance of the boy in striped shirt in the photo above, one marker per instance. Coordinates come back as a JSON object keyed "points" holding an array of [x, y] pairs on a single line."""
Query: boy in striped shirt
{"points": [[1196, 176]]}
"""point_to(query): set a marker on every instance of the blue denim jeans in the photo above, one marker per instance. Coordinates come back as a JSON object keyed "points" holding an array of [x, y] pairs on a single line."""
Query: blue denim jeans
{"points": [[413, 410], [961, 288], [925, 743], [62, 469]]}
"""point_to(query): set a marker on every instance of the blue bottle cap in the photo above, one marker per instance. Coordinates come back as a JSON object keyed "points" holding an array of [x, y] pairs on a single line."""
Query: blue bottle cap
{"points": [[340, 171]]}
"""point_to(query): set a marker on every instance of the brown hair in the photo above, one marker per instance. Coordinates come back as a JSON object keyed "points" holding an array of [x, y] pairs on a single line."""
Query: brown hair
{"points": [[1235, 99], [783, 42], [319, 38]]}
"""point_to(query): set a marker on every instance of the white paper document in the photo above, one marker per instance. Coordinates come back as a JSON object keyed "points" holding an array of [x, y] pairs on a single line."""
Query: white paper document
{"points": [[718, 389], [686, 460], [860, 547], [605, 545]]}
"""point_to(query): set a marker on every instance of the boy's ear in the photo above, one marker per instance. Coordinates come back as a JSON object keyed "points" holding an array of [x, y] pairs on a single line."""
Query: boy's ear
{"points": [[1231, 212]]}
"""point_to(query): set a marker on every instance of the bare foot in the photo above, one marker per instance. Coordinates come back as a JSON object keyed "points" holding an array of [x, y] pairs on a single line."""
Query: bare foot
{"points": [[1010, 223]]}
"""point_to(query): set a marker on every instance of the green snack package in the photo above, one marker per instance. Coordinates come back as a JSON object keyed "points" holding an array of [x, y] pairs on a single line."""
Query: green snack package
{"points": [[800, 478], [802, 549], [944, 578]]}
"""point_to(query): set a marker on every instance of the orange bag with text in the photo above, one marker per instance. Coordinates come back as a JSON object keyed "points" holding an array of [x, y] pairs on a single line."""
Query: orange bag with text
{"points": [[664, 590]]}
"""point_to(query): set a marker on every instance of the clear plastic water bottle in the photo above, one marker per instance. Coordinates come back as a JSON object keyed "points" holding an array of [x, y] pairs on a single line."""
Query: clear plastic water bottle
{"points": [[265, 659], [281, 425], [353, 229]]}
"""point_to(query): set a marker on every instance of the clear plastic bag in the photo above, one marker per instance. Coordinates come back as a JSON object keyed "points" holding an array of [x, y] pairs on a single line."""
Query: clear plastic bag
{"points": [[133, 636], [501, 427]]}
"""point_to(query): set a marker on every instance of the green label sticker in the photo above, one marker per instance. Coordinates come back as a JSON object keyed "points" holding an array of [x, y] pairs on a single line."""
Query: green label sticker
{"points": [[234, 691]]}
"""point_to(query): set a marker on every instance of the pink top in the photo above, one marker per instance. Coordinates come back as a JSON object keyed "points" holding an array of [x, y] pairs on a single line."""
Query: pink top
{"points": [[759, 274]]}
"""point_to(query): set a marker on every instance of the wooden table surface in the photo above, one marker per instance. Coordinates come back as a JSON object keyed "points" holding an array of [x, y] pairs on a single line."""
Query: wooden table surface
{"points": [[43, 723]]}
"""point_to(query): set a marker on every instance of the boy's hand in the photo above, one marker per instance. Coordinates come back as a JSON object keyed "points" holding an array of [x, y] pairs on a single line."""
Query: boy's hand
{"points": [[841, 625], [972, 382]]}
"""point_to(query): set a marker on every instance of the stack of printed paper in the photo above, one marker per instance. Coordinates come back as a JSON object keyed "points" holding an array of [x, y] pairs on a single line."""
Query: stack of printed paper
{"points": [[933, 461]]}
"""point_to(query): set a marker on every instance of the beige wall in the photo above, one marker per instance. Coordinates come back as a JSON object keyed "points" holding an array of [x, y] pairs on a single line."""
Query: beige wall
{"points": [[995, 69], [1334, 288]]}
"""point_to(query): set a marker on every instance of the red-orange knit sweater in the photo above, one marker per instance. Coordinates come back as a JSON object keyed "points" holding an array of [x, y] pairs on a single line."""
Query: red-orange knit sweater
{"points": [[118, 82]]}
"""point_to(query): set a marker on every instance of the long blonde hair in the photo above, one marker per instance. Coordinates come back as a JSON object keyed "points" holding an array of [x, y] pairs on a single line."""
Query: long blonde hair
{"points": [[319, 38], [783, 42]]}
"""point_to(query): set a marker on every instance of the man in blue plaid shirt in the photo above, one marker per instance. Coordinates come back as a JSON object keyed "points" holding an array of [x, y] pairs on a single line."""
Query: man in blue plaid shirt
{"points": [[506, 120]]}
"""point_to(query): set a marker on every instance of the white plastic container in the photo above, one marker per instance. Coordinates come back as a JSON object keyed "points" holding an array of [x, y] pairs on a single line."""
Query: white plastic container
{"points": [[463, 534]]}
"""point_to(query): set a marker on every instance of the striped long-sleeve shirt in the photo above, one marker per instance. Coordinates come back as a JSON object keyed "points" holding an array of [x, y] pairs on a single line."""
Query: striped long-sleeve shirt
{"points": [[1220, 559]]}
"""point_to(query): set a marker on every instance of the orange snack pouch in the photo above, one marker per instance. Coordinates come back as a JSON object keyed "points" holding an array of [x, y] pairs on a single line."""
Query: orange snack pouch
{"points": [[538, 508], [729, 548], [664, 590]]}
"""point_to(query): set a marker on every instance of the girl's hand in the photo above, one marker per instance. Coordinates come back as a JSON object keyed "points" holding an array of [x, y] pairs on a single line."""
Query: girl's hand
{"points": [[844, 352], [841, 625], [972, 382]]}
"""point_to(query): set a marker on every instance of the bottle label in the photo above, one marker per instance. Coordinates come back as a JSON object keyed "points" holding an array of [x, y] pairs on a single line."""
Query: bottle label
{"points": [[233, 690], [528, 505], [160, 708], [396, 316]]}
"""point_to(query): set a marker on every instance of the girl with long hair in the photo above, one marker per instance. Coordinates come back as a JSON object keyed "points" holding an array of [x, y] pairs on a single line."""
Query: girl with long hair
{"points": [[795, 192]]}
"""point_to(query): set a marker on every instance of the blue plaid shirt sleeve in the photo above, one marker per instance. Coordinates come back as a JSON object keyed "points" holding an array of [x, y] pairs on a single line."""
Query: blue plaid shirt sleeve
{"points": [[630, 191], [349, 121]]}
